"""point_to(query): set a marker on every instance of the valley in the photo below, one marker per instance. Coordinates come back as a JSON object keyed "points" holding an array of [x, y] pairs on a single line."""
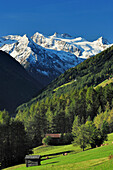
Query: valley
{"points": [[96, 159], [75, 104], [56, 85]]}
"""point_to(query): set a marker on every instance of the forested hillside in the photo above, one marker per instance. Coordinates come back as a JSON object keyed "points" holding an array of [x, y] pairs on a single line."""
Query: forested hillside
{"points": [[91, 72], [70, 95], [71, 105]]}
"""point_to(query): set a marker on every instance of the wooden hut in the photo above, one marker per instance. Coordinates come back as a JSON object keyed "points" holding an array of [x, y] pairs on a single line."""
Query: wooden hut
{"points": [[55, 138], [57, 135], [32, 160]]}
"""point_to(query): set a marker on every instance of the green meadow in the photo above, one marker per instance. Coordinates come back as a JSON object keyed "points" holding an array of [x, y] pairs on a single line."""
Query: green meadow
{"points": [[66, 84], [104, 83], [97, 158]]}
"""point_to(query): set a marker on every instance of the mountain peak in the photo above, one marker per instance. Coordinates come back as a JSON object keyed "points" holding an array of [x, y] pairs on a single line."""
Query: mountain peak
{"points": [[56, 34], [46, 57], [103, 41], [38, 34], [64, 35]]}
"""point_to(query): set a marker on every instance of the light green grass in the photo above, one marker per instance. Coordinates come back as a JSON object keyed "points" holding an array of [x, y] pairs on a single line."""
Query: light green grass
{"points": [[76, 159], [56, 150], [64, 85], [104, 83]]}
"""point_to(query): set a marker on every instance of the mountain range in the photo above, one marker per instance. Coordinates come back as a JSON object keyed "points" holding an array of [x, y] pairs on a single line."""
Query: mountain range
{"points": [[46, 57], [73, 93], [89, 73]]}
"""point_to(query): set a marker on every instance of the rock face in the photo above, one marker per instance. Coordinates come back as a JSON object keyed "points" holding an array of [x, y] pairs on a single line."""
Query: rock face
{"points": [[46, 57]]}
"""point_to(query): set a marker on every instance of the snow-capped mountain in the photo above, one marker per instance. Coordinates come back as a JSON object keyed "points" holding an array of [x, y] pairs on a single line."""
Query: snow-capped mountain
{"points": [[46, 57], [77, 46]]}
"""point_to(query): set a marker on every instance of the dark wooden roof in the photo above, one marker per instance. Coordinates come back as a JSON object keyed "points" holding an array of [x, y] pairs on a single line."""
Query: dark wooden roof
{"points": [[32, 157], [54, 135]]}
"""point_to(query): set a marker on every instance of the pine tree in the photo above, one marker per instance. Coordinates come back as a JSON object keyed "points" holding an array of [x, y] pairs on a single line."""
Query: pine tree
{"points": [[82, 135]]}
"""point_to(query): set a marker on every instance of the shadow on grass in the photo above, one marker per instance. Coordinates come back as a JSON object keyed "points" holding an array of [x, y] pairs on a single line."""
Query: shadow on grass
{"points": [[59, 153], [96, 164], [88, 149], [50, 163]]}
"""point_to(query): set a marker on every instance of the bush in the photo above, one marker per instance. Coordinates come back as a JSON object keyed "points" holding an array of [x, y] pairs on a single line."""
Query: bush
{"points": [[65, 139], [47, 140]]}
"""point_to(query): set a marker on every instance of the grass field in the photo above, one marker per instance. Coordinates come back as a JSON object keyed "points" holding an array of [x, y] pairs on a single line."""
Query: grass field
{"points": [[75, 159], [64, 85], [104, 83]]}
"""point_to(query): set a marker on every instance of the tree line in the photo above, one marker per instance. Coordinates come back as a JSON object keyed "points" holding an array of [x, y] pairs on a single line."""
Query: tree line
{"points": [[58, 111], [56, 114], [85, 113], [87, 133], [13, 141]]}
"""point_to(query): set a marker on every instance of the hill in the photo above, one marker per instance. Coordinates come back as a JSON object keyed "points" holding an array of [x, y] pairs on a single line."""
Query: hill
{"points": [[16, 85], [69, 100], [70, 95], [91, 72], [104, 83], [97, 158]]}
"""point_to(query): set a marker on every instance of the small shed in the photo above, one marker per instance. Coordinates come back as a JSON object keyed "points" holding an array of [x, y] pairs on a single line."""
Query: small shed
{"points": [[55, 138], [32, 160], [57, 135]]}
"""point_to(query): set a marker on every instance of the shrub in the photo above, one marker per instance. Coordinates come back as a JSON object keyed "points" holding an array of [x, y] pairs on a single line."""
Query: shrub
{"points": [[66, 138], [47, 140]]}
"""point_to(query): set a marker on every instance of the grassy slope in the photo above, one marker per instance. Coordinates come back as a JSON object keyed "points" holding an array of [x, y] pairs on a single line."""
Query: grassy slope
{"points": [[76, 159], [104, 83], [64, 85]]}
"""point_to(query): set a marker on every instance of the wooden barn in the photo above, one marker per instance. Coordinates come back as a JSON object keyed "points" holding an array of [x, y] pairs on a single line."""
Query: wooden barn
{"points": [[57, 135], [55, 138], [32, 160]]}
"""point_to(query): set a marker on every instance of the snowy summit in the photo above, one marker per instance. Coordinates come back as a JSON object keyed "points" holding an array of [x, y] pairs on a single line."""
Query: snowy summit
{"points": [[46, 57]]}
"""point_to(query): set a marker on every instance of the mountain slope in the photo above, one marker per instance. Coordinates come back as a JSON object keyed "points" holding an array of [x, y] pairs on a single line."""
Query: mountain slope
{"points": [[91, 72], [72, 94], [16, 85], [105, 82], [43, 64], [46, 57], [96, 68]]}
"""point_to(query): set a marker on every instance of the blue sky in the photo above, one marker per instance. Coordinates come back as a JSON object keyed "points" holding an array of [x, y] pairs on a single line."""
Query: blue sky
{"points": [[87, 18]]}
